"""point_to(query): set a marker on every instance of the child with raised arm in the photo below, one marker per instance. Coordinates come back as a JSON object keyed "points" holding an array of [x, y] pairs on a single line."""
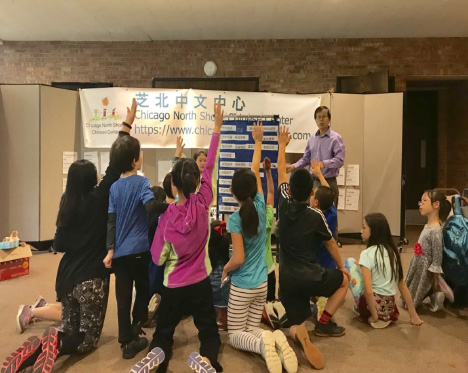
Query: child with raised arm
{"points": [[82, 283], [302, 228], [181, 244], [248, 270]]}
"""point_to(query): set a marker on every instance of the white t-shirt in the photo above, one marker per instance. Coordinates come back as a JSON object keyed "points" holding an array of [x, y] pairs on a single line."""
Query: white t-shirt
{"points": [[382, 282]]}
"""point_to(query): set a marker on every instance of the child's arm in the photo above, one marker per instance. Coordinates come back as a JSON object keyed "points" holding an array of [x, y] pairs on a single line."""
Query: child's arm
{"points": [[257, 134], [283, 140], [112, 172], [332, 248], [110, 242], [317, 170], [270, 187], [405, 293], [179, 148], [159, 248], [369, 293], [238, 255], [206, 189]]}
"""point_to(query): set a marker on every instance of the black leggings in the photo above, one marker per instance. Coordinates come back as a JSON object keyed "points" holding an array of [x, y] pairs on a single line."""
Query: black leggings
{"points": [[196, 300]]}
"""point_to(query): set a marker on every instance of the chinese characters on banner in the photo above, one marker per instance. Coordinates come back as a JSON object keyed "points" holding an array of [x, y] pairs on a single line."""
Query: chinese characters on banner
{"points": [[162, 115]]}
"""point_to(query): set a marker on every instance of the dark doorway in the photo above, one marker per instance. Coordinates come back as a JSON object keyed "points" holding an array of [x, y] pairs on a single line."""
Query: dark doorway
{"points": [[420, 145], [435, 139]]}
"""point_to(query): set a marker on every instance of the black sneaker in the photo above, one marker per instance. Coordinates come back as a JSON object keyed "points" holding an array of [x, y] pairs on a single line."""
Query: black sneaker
{"points": [[330, 329], [131, 349]]}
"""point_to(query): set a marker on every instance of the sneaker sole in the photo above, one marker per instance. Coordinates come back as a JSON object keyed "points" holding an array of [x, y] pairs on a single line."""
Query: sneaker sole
{"points": [[149, 362], [38, 301], [320, 334], [272, 359], [22, 353], [289, 357], [18, 324], [154, 303], [46, 360], [312, 353], [197, 364]]}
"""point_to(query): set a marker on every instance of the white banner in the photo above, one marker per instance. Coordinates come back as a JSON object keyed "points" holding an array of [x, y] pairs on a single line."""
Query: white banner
{"points": [[162, 115]]}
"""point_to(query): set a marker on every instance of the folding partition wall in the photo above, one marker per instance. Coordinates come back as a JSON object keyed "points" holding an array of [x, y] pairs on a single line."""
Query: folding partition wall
{"points": [[37, 124], [372, 130]]}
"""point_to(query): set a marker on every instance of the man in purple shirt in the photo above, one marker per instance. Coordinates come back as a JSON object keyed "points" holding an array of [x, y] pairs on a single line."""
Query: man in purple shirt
{"points": [[327, 147]]}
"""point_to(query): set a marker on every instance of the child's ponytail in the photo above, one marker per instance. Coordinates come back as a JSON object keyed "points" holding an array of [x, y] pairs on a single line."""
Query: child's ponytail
{"points": [[244, 188], [185, 176], [444, 204]]}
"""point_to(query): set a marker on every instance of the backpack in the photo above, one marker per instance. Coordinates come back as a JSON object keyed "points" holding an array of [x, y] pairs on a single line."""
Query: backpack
{"points": [[455, 254]]}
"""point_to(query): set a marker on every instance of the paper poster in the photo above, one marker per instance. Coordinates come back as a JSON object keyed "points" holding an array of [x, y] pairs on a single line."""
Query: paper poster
{"points": [[340, 180], [163, 168], [352, 199], [92, 157], [341, 198], [64, 184], [68, 158], [104, 162], [352, 175]]}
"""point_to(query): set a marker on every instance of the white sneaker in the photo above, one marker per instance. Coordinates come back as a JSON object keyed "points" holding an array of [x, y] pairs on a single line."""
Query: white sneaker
{"points": [[437, 301], [285, 352], [271, 357], [447, 290]]}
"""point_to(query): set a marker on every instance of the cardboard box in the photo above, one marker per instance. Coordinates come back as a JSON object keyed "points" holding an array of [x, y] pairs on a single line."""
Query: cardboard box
{"points": [[14, 262]]}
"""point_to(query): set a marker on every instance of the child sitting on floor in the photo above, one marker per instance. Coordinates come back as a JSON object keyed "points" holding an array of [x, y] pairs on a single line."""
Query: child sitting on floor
{"points": [[375, 279]]}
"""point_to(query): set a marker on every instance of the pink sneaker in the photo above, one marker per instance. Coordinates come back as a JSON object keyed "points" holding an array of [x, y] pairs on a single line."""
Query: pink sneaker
{"points": [[447, 290], [24, 317]]}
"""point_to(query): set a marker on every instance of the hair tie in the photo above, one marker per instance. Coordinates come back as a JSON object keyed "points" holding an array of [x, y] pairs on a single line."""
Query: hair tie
{"points": [[221, 228]]}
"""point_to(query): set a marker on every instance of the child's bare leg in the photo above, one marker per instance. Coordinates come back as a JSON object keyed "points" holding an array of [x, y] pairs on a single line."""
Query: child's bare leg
{"points": [[336, 300], [51, 311]]}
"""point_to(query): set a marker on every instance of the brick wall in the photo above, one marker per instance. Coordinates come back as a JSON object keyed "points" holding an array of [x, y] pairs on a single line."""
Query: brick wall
{"points": [[285, 66]]}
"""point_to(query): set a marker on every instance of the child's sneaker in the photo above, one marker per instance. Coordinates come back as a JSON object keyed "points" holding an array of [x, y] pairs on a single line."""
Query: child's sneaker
{"points": [[285, 352], [312, 353], [46, 360], [437, 301], [149, 362], [23, 357], [269, 353], [39, 302], [196, 362], [447, 290], [130, 350], [281, 312], [23, 317], [269, 316], [152, 308], [330, 329]]}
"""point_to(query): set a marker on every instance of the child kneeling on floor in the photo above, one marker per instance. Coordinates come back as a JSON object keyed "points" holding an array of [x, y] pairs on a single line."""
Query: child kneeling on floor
{"points": [[180, 244], [248, 270], [375, 279]]}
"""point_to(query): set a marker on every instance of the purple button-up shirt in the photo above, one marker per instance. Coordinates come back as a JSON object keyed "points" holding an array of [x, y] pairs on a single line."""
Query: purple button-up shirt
{"points": [[329, 149]]}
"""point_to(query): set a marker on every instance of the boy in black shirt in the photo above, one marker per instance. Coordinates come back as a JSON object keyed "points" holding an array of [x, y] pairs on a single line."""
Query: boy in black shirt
{"points": [[302, 229]]}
